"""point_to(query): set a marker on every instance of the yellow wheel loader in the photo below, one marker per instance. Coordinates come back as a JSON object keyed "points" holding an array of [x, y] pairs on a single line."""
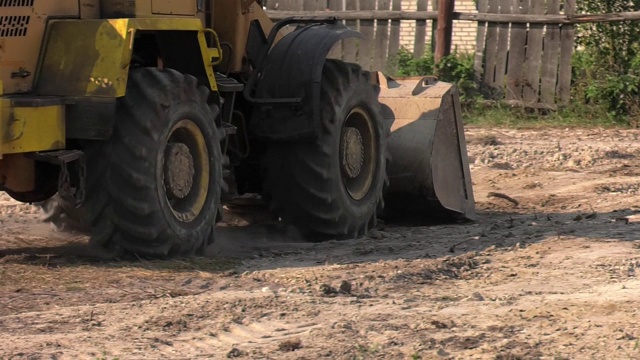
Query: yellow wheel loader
{"points": [[132, 118]]}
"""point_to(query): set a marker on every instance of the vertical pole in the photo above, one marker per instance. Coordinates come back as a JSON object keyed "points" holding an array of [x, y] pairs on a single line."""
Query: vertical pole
{"points": [[435, 4], [444, 33], [421, 30]]}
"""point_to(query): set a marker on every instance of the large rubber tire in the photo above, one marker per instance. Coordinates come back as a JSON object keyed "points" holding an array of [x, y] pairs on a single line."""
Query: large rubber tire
{"points": [[310, 184], [132, 206]]}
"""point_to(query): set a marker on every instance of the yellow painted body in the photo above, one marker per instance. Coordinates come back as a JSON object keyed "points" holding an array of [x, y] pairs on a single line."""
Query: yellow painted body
{"points": [[96, 62], [24, 130], [231, 21], [29, 129], [146, 8], [84, 58], [66, 50]]}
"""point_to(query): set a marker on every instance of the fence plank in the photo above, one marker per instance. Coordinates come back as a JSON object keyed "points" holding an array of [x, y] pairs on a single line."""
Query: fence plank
{"points": [[394, 37], [273, 5], [435, 6], [517, 48], [367, 29], [421, 31], [291, 5], [350, 46], [567, 39], [491, 47], [465, 16], [550, 49], [336, 52], [382, 38], [511, 40], [503, 46], [314, 5], [480, 40], [533, 56]]}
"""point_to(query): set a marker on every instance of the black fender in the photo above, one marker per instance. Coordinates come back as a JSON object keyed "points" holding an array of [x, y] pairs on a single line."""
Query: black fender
{"points": [[287, 88]]}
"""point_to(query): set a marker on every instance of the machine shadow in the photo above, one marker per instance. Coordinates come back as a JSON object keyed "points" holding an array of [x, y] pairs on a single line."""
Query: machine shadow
{"points": [[271, 246]]}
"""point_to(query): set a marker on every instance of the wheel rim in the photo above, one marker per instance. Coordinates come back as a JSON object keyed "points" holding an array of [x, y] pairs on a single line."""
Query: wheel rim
{"points": [[358, 153], [186, 171]]}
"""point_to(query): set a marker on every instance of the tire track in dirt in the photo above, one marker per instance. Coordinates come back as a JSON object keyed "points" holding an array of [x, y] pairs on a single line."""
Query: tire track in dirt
{"points": [[243, 338], [263, 332]]}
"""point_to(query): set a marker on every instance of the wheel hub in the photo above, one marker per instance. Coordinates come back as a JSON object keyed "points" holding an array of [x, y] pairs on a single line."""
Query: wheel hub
{"points": [[178, 170], [353, 155]]}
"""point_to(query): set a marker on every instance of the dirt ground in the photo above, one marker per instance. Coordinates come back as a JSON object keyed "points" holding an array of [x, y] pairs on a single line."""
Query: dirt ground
{"points": [[552, 274]]}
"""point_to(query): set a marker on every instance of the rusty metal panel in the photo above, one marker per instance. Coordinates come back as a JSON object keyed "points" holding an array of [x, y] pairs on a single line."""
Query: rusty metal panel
{"points": [[17, 173], [4, 107], [173, 7], [22, 27], [89, 9]]}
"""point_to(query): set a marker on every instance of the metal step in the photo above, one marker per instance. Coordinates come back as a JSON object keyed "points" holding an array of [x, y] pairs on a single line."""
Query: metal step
{"points": [[227, 84]]}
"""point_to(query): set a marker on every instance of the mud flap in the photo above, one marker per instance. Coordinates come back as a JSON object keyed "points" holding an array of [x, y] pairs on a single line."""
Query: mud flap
{"points": [[429, 176]]}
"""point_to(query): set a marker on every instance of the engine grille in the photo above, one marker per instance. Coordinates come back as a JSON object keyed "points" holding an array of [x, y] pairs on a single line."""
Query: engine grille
{"points": [[12, 26], [16, 3]]}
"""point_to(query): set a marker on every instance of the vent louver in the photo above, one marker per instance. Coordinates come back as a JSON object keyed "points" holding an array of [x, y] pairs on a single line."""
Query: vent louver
{"points": [[16, 3], [12, 26]]}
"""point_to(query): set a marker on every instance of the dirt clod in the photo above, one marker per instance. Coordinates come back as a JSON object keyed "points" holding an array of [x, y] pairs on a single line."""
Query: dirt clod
{"points": [[290, 345], [345, 287], [327, 289], [236, 353], [439, 324]]}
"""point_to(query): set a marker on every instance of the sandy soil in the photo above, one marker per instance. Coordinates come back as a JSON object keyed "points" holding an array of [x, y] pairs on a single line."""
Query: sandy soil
{"points": [[553, 277]]}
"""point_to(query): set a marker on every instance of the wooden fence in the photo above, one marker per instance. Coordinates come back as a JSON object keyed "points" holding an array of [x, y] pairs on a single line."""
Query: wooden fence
{"points": [[382, 36], [526, 62], [523, 50]]}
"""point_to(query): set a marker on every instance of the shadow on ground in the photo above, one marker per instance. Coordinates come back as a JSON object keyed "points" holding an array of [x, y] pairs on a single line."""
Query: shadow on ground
{"points": [[269, 246]]}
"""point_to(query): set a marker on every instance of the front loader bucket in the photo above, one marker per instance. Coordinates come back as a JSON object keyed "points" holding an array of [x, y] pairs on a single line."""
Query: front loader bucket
{"points": [[429, 177]]}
